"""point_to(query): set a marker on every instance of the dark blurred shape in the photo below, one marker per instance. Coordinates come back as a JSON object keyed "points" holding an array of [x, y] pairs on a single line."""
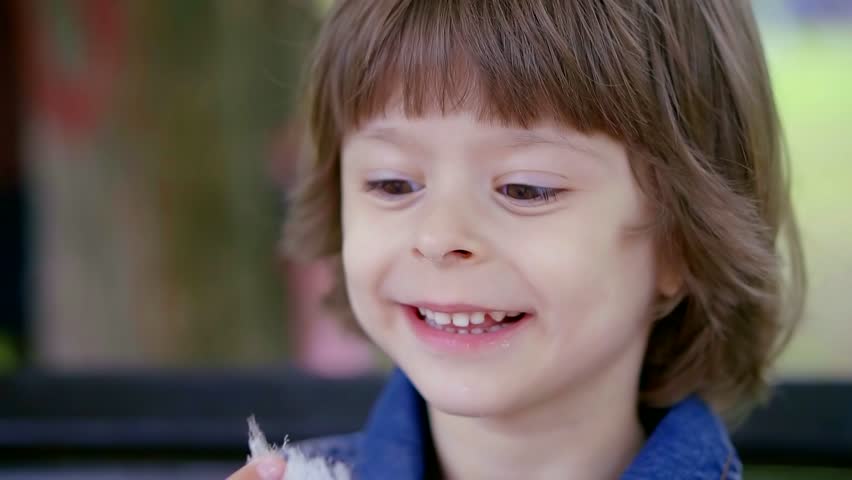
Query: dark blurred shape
{"points": [[151, 418], [13, 264], [806, 423], [159, 414]]}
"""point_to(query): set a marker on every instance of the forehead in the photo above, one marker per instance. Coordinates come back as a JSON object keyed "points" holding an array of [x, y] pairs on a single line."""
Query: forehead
{"points": [[398, 128], [544, 145]]}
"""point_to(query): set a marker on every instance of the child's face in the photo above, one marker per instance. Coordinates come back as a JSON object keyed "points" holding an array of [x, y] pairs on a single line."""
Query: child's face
{"points": [[452, 214]]}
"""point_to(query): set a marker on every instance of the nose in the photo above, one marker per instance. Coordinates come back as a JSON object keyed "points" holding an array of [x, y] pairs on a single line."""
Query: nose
{"points": [[446, 237]]}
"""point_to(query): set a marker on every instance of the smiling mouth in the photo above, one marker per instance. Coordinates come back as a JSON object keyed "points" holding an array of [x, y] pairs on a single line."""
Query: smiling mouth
{"points": [[464, 323]]}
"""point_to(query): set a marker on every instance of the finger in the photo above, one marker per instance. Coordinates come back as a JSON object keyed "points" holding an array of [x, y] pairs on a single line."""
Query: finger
{"points": [[269, 467]]}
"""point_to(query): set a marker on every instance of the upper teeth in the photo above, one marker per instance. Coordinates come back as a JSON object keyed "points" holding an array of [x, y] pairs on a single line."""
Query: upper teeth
{"points": [[463, 319]]}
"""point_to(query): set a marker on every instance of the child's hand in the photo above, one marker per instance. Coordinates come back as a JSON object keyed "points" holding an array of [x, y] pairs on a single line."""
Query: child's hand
{"points": [[268, 467]]}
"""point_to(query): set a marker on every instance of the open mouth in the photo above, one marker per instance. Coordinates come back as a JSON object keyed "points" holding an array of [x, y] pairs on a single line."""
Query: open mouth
{"points": [[464, 323]]}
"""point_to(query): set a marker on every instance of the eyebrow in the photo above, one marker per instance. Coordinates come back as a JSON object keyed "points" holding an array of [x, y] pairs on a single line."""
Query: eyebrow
{"points": [[513, 139], [385, 134], [518, 139], [390, 135], [527, 138]]}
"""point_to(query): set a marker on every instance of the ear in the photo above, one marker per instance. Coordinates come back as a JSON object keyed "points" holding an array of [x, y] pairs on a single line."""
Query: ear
{"points": [[670, 286], [669, 280]]}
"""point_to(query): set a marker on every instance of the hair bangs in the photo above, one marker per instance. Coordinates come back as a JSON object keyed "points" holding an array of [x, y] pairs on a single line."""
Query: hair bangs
{"points": [[491, 58]]}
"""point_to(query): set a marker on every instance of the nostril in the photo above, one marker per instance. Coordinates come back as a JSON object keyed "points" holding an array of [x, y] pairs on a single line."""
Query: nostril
{"points": [[447, 255]]}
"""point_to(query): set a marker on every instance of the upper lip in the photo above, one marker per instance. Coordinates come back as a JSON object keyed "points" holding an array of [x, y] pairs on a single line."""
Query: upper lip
{"points": [[463, 307]]}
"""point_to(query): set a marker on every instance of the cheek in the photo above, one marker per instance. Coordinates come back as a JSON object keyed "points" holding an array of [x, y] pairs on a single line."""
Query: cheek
{"points": [[597, 295], [594, 277], [358, 259], [370, 246]]}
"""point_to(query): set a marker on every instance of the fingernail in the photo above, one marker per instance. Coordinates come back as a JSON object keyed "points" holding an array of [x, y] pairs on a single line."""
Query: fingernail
{"points": [[270, 468]]}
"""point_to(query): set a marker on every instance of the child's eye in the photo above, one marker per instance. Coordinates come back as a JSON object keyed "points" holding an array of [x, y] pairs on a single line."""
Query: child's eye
{"points": [[392, 188], [529, 194]]}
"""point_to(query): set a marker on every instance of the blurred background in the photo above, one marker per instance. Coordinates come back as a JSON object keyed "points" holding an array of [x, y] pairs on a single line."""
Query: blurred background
{"points": [[151, 148], [146, 148]]}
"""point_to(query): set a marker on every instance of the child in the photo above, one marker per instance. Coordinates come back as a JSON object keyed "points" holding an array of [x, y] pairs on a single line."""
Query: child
{"points": [[561, 220]]}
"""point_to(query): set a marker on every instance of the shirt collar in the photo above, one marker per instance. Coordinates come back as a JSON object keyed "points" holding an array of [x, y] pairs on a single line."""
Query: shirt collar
{"points": [[689, 441], [397, 442]]}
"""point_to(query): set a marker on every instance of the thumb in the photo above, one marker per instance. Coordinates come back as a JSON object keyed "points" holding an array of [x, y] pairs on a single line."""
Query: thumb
{"points": [[268, 467]]}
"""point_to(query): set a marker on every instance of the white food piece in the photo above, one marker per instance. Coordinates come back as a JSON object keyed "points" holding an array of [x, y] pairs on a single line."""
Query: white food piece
{"points": [[299, 466]]}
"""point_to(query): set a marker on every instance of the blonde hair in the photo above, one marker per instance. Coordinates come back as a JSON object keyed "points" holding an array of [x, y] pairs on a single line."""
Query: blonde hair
{"points": [[682, 84]]}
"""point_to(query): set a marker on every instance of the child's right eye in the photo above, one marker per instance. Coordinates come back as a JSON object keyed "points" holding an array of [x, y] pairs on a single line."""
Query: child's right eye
{"points": [[392, 188]]}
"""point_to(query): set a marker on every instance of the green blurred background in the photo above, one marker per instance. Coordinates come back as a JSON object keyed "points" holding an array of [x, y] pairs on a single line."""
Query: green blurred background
{"points": [[811, 68]]}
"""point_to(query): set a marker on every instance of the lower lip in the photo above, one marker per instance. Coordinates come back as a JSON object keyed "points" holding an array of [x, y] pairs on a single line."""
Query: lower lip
{"points": [[447, 342]]}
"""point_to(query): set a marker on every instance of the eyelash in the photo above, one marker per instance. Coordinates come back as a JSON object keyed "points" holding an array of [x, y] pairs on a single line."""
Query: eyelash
{"points": [[542, 195], [381, 186]]}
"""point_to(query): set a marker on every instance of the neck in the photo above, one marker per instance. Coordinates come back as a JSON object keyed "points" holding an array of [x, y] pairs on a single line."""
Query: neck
{"points": [[591, 432]]}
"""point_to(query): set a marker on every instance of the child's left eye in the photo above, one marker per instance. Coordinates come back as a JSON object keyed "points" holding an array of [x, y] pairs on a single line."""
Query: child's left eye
{"points": [[529, 194]]}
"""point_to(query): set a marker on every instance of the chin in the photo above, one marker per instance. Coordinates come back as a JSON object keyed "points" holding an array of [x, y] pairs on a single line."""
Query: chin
{"points": [[469, 394], [466, 408]]}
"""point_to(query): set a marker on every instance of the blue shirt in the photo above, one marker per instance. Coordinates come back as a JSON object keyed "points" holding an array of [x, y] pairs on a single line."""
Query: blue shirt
{"points": [[687, 441]]}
